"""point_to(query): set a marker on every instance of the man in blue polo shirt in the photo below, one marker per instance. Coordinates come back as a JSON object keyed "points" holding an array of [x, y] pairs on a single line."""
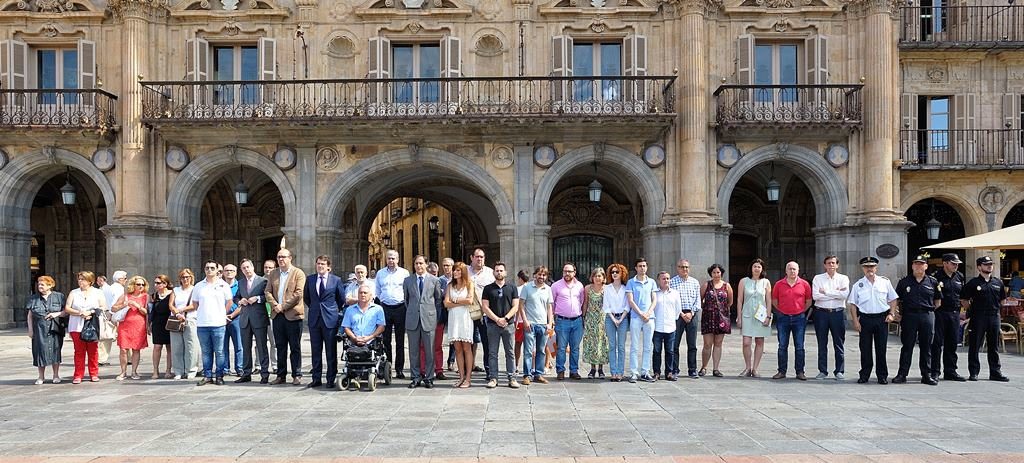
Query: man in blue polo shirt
{"points": [[364, 320], [640, 297]]}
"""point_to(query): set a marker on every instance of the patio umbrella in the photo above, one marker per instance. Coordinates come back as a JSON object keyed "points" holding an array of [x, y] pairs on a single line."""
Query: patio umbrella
{"points": [[1005, 238]]}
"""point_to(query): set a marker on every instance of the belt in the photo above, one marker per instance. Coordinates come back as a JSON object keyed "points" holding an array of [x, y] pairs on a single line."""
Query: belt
{"points": [[881, 314], [918, 310], [829, 309], [559, 317]]}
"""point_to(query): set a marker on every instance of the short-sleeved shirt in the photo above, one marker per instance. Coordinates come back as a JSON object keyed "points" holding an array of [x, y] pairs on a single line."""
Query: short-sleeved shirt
{"points": [[482, 278], [872, 298], [666, 311], [363, 323], [567, 298], [792, 299], [985, 296], [535, 302], [389, 285], [950, 286], [917, 295], [642, 294], [500, 298], [211, 298]]}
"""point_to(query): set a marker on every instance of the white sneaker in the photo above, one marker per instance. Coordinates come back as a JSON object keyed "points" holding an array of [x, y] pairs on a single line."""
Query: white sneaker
{"points": [[821, 376], [840, 376]]}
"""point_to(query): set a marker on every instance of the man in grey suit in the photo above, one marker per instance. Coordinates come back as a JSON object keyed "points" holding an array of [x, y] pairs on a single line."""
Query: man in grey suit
{"points": [[422, 290], [253, 321]]}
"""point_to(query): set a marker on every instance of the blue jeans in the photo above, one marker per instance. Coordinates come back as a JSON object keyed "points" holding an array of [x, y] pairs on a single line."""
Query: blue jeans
{"points": [[832, 322], [642, 335], [616, 344], [568, 333], [211, 342], [534, 341], [232, 335], [786, 324], [664, 342]]}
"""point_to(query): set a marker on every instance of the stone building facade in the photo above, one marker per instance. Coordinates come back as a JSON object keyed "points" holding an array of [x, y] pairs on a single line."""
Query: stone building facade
{"points": [[861, 114]]}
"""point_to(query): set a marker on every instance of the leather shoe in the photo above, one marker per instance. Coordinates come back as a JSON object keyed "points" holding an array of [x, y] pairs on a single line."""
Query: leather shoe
{"points": [[440, 376], [575, 376], [929, 381], [315, 384], [972, 378], [561, 376], [243, 379], [954, 377], [297, 381], [900, 379], [428, 384], [399, 375], [330, 385], [801, 377], [779, 375], [264, 380], [414, 384], [862, 380], [883, 381], [219, 381], [998, 377], [278, 380]]}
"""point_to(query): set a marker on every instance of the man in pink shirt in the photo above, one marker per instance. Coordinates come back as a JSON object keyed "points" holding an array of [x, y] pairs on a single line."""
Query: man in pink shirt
{"points": [[568, 303], [791, 298]]}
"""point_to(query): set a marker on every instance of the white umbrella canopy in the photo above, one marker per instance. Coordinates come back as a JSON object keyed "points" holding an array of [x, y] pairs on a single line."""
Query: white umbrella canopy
{"points": [[1005, 238]]}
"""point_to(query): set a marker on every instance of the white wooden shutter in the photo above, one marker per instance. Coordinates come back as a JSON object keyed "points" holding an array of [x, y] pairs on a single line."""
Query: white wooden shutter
{"points": [[268, 58], [561, 60], [87, 69], [816, 54], [1011, 111], [1011, 120], [14, 68], [451, 66], [379, 67], [197, 60], [963, 140], [908, 111], [745, 66], [963, 111], [634, 61]]}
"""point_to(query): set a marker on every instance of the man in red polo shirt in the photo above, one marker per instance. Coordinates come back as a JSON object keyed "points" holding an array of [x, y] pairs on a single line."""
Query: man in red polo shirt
{"points": [[791, 298]]}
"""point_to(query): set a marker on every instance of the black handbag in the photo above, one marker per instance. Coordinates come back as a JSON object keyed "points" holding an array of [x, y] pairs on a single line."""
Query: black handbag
{"points": [[91, 329], [57, 325]]}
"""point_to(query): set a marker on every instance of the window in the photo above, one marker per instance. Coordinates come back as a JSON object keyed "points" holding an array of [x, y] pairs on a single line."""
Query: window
{"points": [[416, 61], [933, 119], [776, 64], [933, 18], [415, 240], [23, 66], [597, 59], [57, 69], [239, 62]]}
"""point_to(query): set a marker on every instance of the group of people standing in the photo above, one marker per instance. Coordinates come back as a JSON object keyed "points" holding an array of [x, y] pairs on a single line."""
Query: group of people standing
{"points": [[475, 305]]}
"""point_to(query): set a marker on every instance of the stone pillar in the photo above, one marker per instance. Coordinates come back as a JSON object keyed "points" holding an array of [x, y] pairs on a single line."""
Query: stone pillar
{"points": [[881, 106], [525, 246], [14, 260], [507, 247], [301, 230]]}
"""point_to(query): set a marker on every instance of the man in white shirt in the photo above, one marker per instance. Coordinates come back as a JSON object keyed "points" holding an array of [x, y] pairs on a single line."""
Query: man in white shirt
{"points": [[830, 292], [112, 293], [667, 309], [212, 299], [389, 281]]}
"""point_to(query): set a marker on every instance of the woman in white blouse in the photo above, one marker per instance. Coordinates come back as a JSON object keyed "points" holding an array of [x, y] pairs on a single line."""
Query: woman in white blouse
{"points": [[81, 306], [616, 321], [184, 344]]}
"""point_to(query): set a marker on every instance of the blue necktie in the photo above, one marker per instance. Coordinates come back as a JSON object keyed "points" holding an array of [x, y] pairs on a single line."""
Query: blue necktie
{"points": [[322, 288], [421, 285]]}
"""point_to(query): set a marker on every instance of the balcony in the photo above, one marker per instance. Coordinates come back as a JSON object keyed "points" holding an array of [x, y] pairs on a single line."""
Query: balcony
{"points": [[976, 149], [445, 109], [92, 112], [768, 109], [962, 27]]}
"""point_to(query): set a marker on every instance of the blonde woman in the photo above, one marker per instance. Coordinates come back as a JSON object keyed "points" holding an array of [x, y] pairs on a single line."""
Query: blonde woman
{"points": [[131, 332], [184, 344], [458, 296], [82, 305]]}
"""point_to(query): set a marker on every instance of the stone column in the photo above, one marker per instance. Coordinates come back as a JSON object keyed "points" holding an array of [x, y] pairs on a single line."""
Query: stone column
{"points": [[881, 108], [301, 228], [523, 190], [14, 261]]}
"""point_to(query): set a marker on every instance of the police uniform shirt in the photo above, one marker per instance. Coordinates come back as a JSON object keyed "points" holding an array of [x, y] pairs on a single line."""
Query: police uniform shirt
{"points": [[872, 298], [916, 295], [985, 296], [950, 288]]}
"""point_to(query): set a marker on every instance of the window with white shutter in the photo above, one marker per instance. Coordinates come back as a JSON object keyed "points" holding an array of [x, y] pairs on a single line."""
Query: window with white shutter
{"points": [[379, 55], [634, 59], [451, 66], [561, 65], [87, 69], [14, 68]]}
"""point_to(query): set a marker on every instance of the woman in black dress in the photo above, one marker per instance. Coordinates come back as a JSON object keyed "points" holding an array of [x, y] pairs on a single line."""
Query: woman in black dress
{"points": [[46, 327], [162, 299]]}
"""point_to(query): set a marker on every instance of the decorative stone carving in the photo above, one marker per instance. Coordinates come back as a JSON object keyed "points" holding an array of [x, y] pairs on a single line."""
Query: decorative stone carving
{"points": [[103, 159], [341, 47], [599, 150], [991, 199], [598, 25], [176, 158], [414, 149], [488, 9], [501, 157], [139, 8], [49, 30], [51, 153], [887, 251], [1015, 73], [327, 158], [544, 156], [489, 45], [936, 73], [284, 158], [583, 213], [232, 28], [413, 4], [233, 153], [597, 3], [229, 5], [653, 155]]}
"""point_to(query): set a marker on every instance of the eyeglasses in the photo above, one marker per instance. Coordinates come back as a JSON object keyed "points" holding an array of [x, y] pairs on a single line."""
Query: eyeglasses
{"points": [[283, 257]]}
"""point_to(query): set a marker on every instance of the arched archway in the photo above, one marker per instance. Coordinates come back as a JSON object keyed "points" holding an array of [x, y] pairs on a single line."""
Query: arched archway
{"points": [[951, 226]]}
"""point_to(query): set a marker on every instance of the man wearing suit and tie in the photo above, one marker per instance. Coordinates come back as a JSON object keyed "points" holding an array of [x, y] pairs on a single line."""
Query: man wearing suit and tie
{"points": [[251, 313], [422, 290], [324, 297], [284, 293]]}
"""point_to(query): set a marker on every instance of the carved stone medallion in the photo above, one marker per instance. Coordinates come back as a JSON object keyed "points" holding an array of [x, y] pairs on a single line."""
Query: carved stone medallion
{"points": [[544, 156], [284, 158], [103, 159], [176, 158], [991, 199], [501, 157], [327, 158]]}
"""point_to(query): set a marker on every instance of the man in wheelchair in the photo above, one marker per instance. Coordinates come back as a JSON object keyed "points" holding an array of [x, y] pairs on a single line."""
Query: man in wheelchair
{"points": [[363, 353]]}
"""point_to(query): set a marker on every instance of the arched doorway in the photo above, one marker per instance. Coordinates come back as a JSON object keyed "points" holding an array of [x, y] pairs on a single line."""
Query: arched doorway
{"points": [[233, 231], [1013, 263], [66, 238], [415, 226], [951, 227]]}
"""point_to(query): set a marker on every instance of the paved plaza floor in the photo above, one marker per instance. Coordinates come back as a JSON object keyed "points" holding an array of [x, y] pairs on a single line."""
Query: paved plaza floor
{"points": [[710, 419]]}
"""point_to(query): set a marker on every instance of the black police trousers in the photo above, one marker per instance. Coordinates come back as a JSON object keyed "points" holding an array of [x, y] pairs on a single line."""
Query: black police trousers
{"points": [[916, 327], [947, 326], [983, 327], [874, 332]]}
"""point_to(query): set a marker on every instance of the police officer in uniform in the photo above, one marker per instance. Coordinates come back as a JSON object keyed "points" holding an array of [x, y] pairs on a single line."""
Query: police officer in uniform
{"points": [[981, 297], [872, 305], [947, 319], [919, 296]]}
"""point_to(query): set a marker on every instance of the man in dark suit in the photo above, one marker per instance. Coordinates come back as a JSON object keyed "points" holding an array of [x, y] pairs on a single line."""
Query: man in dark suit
{"points": [[251, 312], [422, 291], [324, 298]]}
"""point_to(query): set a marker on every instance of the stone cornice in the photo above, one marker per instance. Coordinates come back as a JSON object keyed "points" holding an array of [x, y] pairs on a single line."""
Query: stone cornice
{"points": [[891, 7], [703, 7], [144, 9]]}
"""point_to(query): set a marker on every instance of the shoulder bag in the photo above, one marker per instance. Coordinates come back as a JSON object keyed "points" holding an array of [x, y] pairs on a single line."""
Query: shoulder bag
{"points": [[174, 325], [475, 311], [91, 328]]}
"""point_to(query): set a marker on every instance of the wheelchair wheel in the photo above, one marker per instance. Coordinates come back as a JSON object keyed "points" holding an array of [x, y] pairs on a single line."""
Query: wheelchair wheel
{"points": [[387, 373], [344, 384], [371, 382]]}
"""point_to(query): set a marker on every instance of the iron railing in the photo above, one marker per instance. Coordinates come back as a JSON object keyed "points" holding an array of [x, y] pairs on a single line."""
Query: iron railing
{"points": [[746, 105], [979, 148], [58, 108], [993, 26], [461, 97]]}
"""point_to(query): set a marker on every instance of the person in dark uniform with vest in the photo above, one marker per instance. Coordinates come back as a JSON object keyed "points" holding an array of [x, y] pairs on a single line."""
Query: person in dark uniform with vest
{"points": [[919, 296], [981, 297], [947, 319], [872, 304]]}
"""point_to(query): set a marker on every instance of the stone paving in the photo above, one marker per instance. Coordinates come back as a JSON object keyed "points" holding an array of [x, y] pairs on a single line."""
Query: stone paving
{"points": [[711, 419]]}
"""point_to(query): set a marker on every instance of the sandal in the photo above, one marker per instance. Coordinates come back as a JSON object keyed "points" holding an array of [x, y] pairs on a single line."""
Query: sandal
{"points": [[136, 376], [717, 374], [39, 381], [57, 380], [753, 374], [120, 377], [702, 372], [464, 385], [168, 375], [744, 373], [154, 376]]}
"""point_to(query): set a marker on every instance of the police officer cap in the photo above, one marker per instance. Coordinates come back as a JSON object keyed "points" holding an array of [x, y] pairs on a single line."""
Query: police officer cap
{"points": [[921, 258], [868, 261], [951, 257], [984, 260]]}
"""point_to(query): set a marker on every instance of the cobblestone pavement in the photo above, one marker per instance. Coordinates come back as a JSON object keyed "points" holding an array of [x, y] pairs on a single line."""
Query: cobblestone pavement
{"points": [[711, 419]]}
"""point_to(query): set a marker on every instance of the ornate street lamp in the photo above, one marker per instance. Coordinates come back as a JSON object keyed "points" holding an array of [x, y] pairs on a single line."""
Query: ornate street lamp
{"points": [[594, 189], [386, 239], [773, 187], [67, 192], [432, 223], [241, 191], [933, 226]]}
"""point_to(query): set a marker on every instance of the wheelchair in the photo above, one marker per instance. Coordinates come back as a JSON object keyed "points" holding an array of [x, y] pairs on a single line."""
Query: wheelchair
{"points": [[367, 364]]}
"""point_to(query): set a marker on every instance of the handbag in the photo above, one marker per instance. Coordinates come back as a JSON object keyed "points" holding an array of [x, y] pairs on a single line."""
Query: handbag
{"points": [[91, 329], [118, 316], [475, 311], [173, 325], [57, 326]]}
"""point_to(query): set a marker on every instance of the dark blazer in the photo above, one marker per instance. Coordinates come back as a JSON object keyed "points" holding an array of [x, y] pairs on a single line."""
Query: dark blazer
{"points": [[254, 315], [324, 307], [421, 308]]}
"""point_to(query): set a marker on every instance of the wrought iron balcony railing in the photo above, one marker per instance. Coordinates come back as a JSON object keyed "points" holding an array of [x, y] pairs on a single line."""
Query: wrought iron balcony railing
{"points": [[58, 108], [975, 148], [311, 101], [992, 26], [789, 105]]}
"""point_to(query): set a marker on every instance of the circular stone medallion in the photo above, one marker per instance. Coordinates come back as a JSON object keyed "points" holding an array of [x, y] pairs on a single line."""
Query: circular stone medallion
{"points": [[103, 159], [284, 158], [176, 158], [837, 155], [654, 155], [544, 156], [728, 156], [501, 157]]}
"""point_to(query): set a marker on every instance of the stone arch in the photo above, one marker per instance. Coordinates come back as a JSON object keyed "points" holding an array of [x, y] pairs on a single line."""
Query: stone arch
{"points": [[831, 200], [185, 198], [1012, 200], [636, 172], [22, 178], [972, 216], [344, 189]]}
